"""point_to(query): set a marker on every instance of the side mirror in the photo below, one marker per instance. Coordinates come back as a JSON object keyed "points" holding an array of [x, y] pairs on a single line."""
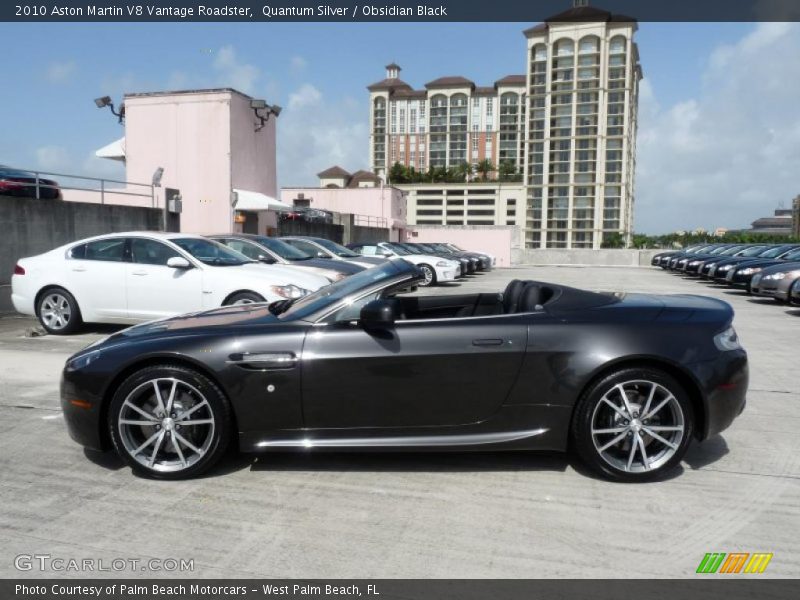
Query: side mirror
{"points": [[377, 314], [268, 260], [386, 253], [321, 254], [178, 262]]}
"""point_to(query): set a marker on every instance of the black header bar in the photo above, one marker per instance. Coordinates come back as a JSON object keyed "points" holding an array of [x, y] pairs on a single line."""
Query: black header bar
{"points": [[528, 11]]}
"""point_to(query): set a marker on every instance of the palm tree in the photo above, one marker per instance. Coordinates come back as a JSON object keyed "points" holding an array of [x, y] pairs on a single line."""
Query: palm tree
{"points": [[485, 167], [507, 169]]}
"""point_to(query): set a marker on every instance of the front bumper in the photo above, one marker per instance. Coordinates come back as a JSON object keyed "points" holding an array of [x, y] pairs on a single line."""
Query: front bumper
{"points": [[82, 413], [446, 273]]}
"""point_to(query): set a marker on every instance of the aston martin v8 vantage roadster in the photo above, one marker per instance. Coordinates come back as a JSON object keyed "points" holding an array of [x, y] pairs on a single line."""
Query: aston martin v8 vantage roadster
{"points": [[625, 381]]}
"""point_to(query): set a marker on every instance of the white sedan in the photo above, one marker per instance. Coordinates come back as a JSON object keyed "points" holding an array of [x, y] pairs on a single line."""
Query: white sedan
{"points": [[436, 268], [133, 277]]}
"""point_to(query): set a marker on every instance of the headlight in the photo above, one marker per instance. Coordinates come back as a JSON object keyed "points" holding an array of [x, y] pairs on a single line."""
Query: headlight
{"points": [[776, 276], [749, 270], [726, 268], [694, 263], [711, 265], [727, 340], [443, 263], [290, 291], [82, 361]]}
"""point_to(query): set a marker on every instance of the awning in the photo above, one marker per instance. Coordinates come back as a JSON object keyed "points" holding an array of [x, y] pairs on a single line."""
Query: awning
{"points": [[247, 200], [114, 150]]}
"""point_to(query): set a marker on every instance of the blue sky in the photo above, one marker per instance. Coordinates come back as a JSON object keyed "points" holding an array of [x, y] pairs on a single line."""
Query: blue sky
{"points": [[318, 72]]}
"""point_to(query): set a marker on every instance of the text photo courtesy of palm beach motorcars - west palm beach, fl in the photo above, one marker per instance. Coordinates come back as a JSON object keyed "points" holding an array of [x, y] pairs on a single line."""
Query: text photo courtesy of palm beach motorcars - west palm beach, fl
{"points": [[441, 318]]}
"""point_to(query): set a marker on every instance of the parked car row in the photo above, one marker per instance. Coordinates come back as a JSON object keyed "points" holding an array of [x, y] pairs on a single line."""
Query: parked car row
{"points": [[24, 184], [768, 270], [131, 277]]}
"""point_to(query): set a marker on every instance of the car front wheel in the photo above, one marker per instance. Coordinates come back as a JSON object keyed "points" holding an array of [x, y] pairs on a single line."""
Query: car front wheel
{"points": [[244, 298], [430, 275], [169, 422], [58, 312], [633, 425]]}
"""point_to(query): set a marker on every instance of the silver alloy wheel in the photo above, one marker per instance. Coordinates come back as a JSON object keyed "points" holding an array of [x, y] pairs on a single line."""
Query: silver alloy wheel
{"points": [[637, 426], [428, 272], [243, 301], [55, 311], [166, 424]]}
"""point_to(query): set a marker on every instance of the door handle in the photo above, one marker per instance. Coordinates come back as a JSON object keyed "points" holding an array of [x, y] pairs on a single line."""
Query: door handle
{"points": [[488, 342], [139, 273], [264, 360], [79, 269]]}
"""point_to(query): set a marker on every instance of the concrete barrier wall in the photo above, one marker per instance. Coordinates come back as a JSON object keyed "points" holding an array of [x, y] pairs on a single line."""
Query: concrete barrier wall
{"points": [[29, 227], [498, 240], [604, 257]]}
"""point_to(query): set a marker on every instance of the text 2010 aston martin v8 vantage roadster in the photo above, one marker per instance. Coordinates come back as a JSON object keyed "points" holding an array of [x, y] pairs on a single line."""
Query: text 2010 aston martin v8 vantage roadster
{"points": [[624, 380]]}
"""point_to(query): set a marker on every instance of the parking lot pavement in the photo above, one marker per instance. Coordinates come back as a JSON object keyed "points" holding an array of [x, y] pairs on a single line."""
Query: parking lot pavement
{"points": [[413, 515]]}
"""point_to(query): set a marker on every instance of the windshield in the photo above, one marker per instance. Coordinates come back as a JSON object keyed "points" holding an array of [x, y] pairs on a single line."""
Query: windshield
{"points": [[397, 249], [336, 248], [793, 256], [426, 248], [775, 252], [755, 251], [282, 249], [333, 293], [210, 252]]}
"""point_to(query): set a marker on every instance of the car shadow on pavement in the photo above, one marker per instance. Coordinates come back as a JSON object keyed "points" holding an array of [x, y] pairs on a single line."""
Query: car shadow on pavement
{"points": [[412, 462], [706, 453], [795, 312]]}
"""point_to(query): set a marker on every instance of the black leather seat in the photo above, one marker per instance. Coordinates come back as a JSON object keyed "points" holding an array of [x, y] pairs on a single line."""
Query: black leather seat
{"points": [[531, 298], [512, 295]]}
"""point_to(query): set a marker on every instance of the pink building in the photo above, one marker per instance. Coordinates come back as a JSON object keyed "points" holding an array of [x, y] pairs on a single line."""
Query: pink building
{"points": [[361, 194], [217, 150]]}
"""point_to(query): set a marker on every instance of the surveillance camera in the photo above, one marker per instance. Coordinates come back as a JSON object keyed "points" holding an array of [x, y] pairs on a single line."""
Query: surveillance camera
{"points": [[102, 102], [276, 110], [258, 104]]}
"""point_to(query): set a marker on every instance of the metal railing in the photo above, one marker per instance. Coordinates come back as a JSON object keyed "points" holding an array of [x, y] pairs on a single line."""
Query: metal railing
{"points": [[369, 221], [101, 188]]}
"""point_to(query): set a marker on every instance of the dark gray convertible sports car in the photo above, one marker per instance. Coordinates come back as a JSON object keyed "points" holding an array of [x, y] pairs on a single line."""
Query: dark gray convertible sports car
{"points": [[623, 380]]}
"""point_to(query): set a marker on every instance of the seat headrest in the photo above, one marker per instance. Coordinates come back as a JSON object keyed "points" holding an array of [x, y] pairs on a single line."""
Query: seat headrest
{"points": [[531, 298], [511, 295]]}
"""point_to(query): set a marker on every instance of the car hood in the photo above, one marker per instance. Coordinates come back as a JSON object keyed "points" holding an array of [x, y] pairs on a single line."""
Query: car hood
{"points": [[782, 268], [371, 260], [421, 258], [331, 265], [193, 323]]}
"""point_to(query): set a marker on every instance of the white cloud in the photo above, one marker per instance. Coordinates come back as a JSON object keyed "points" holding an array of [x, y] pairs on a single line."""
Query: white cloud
{"points": [[315, 132], [234, 73], [61, 72], [53, 158], [298, 64], [732, 153], [304, 97]]}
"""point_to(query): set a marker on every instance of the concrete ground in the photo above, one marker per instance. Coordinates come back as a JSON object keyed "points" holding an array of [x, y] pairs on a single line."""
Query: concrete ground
{"points": [[505, 515]]}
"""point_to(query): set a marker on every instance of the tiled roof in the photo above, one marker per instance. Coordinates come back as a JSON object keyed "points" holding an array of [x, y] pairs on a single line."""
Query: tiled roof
{"points": [[511, 80], [452, 81], [580, 14], [362, 175], [333, 172], [388, 84]]}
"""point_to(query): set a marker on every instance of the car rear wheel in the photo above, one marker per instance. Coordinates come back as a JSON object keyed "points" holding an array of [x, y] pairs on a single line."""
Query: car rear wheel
{"points": [[58, 312], [633, 425], [169, 422], [430, 275], [244, 298]]}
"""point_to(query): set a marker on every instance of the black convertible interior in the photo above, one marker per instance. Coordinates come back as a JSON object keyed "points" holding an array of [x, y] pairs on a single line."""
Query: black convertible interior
{"points": [[518, 297]]}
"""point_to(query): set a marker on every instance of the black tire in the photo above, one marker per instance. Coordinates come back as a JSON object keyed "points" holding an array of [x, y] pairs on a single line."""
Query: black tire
{"points": [[244, 298], [638, 382], [194, 387], [430, 275], [58, 311]]}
